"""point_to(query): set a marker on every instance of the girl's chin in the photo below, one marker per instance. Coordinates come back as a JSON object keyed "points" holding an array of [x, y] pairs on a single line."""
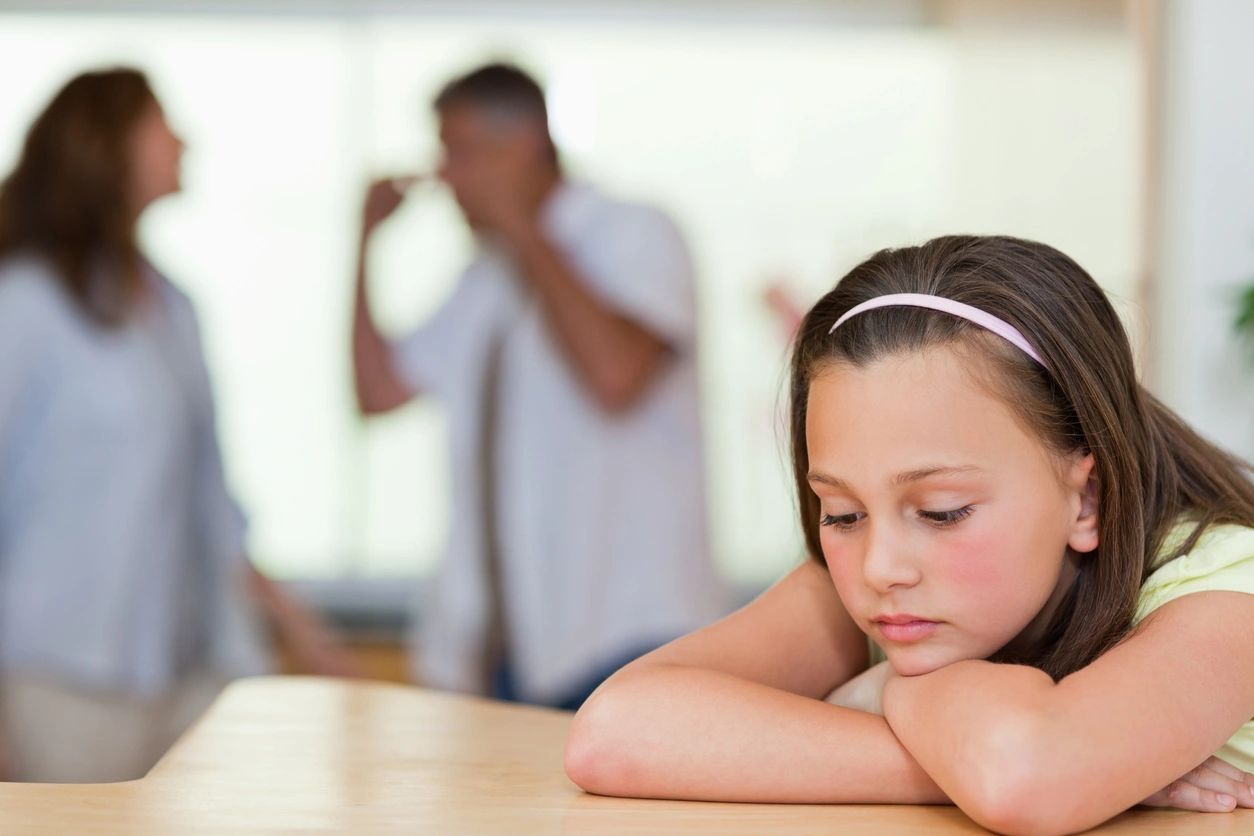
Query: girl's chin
{"points": [[913, 668], [916, 662]]}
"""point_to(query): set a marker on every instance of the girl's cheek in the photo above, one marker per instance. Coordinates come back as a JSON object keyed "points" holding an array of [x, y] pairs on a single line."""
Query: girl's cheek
{"points": [[836, 554], [977, 567], [841, 578], [846, 577]]}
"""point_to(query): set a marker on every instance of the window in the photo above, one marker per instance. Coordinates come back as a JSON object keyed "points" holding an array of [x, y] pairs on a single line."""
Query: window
{"points": [[787, 149]]}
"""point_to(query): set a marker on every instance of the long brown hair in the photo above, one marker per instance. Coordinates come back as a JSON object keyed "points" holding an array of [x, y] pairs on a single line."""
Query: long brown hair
{"points": [[1151, 467], [68, 198]]}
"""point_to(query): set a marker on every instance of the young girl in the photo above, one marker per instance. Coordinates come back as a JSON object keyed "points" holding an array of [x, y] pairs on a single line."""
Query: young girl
{"points": [[1058, 571]]}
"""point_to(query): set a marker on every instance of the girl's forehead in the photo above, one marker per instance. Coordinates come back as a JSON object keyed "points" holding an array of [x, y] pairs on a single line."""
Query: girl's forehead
{"points": [[938, 373], [914, 407]]}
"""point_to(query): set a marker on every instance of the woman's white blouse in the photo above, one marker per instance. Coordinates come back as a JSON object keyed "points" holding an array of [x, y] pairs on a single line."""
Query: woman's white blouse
{"points": [[121, 552]]}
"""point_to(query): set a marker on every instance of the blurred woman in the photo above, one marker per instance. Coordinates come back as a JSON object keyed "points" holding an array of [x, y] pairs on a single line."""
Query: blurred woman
{"points": [[126, 598]]}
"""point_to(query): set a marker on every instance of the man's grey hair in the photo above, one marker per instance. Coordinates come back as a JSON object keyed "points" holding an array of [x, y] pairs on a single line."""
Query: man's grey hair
{"points": [[506, 92]]}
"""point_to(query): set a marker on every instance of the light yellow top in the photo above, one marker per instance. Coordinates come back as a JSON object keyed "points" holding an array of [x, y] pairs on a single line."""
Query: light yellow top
{"points": [[1222, 560]]}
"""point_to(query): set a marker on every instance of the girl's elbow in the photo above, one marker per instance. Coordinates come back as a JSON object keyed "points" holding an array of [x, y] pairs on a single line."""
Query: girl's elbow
{"points": [[581, 757], [597, 754], [1025, 788], [1017, 816], [1011, 785], [1034, 804], [1041, 816]]}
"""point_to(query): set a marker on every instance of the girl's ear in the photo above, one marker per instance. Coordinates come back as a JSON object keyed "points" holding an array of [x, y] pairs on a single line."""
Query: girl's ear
{"points": [[1083, 481]]}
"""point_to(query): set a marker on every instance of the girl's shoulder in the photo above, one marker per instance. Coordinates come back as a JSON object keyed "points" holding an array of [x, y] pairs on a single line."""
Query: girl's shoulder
{"points": [[1222, 560]]}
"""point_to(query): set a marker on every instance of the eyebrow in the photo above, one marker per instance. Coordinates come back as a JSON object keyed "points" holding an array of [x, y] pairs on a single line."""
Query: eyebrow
{"points": [[901, 478]]}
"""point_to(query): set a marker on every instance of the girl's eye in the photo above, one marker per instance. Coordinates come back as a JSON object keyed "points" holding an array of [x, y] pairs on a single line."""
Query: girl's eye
{"points": [[843, 522], [944, 519]]}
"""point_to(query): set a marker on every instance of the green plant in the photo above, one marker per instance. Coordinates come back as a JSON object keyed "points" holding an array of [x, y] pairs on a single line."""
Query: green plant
{"points": [[1245, 314]]}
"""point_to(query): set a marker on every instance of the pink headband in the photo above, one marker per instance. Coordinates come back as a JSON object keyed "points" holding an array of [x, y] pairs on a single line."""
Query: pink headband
{"points": [[985, 320]]}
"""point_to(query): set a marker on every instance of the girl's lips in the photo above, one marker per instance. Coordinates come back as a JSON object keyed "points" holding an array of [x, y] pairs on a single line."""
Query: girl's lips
{"points": [[900, 630]]}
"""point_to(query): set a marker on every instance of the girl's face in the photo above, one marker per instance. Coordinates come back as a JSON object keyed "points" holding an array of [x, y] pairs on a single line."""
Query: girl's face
{"points": [[948, 528], [156, 156]]}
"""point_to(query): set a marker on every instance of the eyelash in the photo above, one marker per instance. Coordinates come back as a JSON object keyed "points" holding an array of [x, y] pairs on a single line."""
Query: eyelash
{"points": [[940, 519]]}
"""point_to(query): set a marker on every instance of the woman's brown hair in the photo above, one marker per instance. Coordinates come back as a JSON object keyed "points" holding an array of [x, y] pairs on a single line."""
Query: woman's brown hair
{"points": [[68, 198], [1152, 469]]}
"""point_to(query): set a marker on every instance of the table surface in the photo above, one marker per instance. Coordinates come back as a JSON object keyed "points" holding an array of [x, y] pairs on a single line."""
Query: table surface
{"points": [[295, 753]]}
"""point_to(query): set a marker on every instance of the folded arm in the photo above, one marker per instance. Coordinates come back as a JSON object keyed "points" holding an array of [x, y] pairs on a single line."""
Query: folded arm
{"points": [[734, 712], [1019, 753], [616, 356]]}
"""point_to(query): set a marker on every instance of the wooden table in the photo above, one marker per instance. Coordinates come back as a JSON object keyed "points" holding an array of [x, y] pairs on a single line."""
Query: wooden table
{"points": [[299, 754]]}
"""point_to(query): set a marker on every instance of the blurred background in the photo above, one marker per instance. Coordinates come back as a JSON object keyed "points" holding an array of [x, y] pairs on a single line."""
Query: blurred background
{"points": [[789, 139]]}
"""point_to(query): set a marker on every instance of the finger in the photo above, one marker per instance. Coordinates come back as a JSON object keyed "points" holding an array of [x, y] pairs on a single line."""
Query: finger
{"points": [[406, 182], [1185, 796], [386, 190], [1245, 791], [1224, 768], [1207, 778]]}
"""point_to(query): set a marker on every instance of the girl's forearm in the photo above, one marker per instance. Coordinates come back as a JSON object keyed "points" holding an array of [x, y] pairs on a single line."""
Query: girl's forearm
{"points": [[978, 728], [688, 733]]}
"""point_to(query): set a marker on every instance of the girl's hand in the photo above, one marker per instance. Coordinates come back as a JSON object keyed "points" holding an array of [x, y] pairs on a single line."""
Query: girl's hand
{"points": [[1214, 787], [865, 692]]}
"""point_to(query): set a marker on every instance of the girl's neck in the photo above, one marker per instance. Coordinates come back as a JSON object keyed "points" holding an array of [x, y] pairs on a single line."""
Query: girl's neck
{"points": [[1031, 635]]}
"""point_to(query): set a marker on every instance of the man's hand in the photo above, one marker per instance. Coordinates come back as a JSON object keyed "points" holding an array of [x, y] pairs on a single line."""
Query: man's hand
{"points": [[383, 197], [502, 198]]}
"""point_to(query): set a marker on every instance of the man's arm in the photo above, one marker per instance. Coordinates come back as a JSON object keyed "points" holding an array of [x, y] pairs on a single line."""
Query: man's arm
{"points": [[616, 357], [378, 385]]}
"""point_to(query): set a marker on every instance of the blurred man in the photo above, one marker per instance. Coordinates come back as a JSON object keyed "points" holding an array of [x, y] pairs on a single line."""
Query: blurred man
{"points": [[566, 357]]}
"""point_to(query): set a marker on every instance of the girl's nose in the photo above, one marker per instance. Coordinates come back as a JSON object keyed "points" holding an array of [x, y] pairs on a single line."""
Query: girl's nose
{"points": [[888, 563]]}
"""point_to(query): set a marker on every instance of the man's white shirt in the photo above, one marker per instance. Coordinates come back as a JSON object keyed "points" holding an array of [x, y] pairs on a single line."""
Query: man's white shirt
{"points": [[601, 517]]}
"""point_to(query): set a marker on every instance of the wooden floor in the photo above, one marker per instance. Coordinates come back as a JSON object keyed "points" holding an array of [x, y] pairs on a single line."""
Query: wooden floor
{"points": [[284, 754]]}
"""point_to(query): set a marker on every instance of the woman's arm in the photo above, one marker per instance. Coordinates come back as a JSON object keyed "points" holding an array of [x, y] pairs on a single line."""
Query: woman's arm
{"points": [[734, 712], [1020, 754], [309, 639]]}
